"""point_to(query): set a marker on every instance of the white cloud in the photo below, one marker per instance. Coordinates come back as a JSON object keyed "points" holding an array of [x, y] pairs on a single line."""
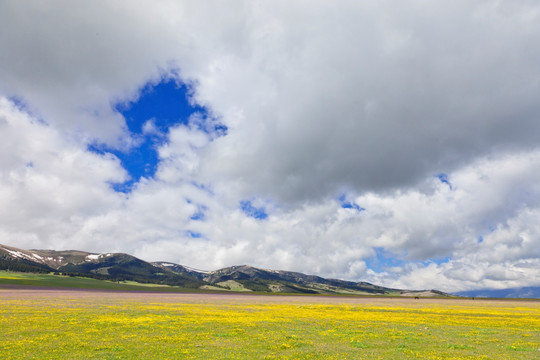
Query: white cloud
{"points": [[49, 186], [320, 99]]}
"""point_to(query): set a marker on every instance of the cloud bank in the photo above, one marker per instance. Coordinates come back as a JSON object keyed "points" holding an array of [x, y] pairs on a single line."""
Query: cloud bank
{"points": [[392, 143]]}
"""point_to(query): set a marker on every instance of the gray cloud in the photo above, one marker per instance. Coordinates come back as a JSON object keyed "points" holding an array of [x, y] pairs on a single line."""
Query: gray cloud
{"points": [[381, 101]]}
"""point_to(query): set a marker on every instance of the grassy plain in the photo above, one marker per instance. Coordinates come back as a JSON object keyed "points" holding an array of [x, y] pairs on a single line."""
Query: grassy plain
{"points": [[76, 324], [62, 281]]}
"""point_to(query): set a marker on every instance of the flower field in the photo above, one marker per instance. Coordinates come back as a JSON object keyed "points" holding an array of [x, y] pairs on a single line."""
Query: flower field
{"points": [[41, 324]]}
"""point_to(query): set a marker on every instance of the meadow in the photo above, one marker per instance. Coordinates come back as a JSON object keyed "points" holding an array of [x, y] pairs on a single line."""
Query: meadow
{"points": [[96, 324], [61, 281]]}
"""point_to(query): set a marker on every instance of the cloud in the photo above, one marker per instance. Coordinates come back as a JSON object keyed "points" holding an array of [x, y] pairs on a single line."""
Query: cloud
{"points": [[49, 186], [71, 62], [353, 126], [374, 97]]}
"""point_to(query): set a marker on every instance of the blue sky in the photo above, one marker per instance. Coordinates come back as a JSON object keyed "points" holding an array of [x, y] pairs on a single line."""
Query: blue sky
{"points": [[148, 119], [162, 105], [395, 144]]}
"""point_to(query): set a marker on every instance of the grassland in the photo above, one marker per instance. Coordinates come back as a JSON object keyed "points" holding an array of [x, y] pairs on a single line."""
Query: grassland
{"points": [[113, 325], [61, 281]]}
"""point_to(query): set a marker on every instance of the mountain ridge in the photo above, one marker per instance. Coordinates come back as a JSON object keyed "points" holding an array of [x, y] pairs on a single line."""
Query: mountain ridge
{"points": [[124, 267], [526, 292]]}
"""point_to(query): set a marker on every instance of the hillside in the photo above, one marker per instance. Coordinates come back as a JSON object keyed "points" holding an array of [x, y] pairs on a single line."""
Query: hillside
{"points": [[109, 266], [121, 267]]}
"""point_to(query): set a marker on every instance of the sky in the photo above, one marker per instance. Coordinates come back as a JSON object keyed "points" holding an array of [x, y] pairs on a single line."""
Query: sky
{"points": [[391, 142]]}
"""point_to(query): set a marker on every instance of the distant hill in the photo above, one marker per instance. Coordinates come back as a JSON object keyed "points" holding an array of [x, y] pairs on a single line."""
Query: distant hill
{"points": [[530, 292], [123, 267], [110, 266]]}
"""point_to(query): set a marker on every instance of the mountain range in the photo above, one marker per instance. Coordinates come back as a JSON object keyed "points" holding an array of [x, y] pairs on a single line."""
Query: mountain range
{"points": [[527, 292], [124, 267]]}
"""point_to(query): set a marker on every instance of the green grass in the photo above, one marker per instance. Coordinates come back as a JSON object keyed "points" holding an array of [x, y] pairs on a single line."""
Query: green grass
{"points": [[51, 280], [232, 285]]}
